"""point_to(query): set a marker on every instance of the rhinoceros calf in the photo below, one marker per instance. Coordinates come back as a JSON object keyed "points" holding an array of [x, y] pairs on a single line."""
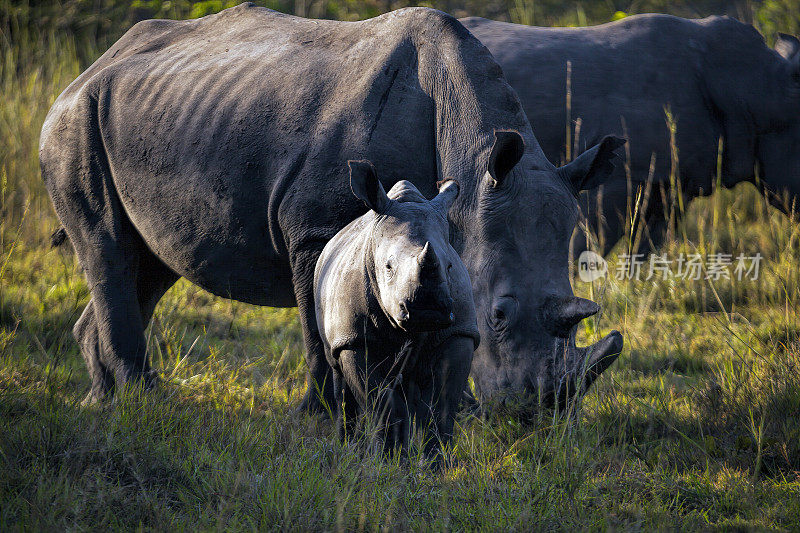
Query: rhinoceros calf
{"points": [[715, 75], [216, 149], [385, 287]]}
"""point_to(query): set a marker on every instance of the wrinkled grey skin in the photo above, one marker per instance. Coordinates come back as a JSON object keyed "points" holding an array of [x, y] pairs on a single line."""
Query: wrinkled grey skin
{"points": [[215, 149], [384, 287], [716, 75]]}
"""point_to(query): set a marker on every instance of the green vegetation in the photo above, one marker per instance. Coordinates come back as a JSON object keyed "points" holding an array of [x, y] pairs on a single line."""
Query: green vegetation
{"points": [[697, 426]]}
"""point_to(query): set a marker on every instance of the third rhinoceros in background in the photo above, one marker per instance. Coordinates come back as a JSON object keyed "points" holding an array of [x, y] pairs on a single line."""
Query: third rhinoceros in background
{"points": [[716, 77], [386, 287]]}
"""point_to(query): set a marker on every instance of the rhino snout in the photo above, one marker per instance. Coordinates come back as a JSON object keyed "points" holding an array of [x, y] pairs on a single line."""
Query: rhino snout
{"points": [[417, 316]]}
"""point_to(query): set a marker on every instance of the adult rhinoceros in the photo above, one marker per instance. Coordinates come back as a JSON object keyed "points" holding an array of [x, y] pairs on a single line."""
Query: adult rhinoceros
{"points": [[216, 149], [715, 75]]}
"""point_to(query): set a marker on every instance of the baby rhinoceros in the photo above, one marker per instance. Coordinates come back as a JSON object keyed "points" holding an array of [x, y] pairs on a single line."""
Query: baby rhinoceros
{"points": [[395, 311]]}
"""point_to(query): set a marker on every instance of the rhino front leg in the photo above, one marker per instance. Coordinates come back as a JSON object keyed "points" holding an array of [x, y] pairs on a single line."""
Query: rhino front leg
{"points": [[394, 421], [442, 388], [347, 409], [319, 383], [382, 399], [652, 235], [603, 214]]}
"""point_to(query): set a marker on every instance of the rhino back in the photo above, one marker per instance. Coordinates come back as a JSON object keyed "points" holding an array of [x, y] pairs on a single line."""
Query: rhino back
{"points": [[227, 136], [624, 75]]}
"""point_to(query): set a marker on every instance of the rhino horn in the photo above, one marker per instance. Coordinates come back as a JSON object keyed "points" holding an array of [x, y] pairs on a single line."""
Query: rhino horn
{"points": [[597, 358], [560, 315], [427, 258]]}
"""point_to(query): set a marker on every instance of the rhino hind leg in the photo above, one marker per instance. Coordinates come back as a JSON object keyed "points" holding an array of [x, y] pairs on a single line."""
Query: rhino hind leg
{"points": [[153, 279], [125, 280], [85, 333]]}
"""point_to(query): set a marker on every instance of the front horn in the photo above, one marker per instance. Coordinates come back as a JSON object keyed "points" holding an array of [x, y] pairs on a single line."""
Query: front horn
{"points": [[560, 315], [598, 357]]}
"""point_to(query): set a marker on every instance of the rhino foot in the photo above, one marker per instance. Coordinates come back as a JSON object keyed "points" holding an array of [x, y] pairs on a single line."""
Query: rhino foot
{"points": [[93, 400], [312, 405]]}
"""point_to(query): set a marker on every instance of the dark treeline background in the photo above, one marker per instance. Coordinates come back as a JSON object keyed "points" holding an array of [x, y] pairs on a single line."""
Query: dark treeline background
{"points": [[93, 24]]}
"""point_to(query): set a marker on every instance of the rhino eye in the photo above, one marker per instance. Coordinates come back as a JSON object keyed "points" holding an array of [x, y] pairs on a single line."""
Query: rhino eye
{"points": [[499, 320], [503, 312], [449, 267]]}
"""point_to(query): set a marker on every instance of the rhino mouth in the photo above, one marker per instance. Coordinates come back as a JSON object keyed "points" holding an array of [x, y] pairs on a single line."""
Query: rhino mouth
{"points": [[567, 376], [427, 320], [421, 318]]}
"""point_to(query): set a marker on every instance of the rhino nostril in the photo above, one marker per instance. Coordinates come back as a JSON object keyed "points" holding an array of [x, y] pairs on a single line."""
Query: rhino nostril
{"points": [[403, 310]]}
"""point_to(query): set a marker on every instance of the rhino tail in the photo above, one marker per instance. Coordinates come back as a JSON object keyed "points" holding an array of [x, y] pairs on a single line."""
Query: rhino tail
{"points": [[58, 237]]}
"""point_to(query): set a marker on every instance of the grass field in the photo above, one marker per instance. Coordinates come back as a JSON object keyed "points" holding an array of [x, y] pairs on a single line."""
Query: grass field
{"points": [[697, 426]]}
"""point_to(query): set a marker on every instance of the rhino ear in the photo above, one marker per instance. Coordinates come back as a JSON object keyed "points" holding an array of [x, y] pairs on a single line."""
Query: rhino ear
{"points": [[448, 191], [594, 166], [506, 153], [787, 45], [366, 186]]}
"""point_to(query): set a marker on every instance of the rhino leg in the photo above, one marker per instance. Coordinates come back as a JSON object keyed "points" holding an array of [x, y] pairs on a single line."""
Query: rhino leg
{"points": [[441, 389], [382, 397], [85, 332], [395, 425], [604, 213], [347, 409], [319, 386], [653, 234], [153, 279]]}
